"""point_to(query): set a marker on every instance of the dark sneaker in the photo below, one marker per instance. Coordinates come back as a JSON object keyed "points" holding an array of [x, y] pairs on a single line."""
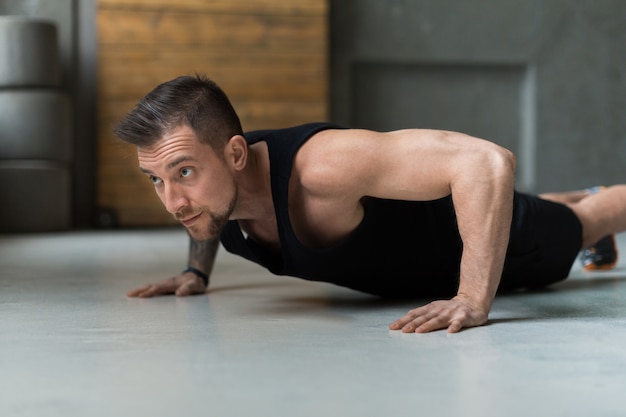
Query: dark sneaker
{"points": [[600, 256]]}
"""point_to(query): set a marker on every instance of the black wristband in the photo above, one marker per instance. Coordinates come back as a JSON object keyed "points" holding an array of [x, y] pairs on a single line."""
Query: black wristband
{"points": [[199, 273]]}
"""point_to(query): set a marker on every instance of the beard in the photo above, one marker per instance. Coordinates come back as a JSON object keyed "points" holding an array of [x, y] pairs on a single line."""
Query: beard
{"points": [[201, 232]]}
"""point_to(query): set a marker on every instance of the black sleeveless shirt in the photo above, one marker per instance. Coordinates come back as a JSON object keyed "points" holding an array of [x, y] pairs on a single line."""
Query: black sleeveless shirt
{"points": [[405, 248], [399, 246]]}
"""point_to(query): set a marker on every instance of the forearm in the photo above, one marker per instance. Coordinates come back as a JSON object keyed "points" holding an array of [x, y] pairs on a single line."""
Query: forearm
{"points": [[481, 269], [202, 255], [484, 205]]}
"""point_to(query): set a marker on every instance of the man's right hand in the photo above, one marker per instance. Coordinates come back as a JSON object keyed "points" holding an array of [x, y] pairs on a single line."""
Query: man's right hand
{"points": [[182, 285]]}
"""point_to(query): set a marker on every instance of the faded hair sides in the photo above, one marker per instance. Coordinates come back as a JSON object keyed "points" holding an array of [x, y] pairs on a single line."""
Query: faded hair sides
{"points": [[196, 101]]}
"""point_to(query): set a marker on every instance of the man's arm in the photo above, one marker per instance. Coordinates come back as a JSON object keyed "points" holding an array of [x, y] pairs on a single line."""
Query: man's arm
{"points": [[427, 165], [484, 211], [201, 257]]}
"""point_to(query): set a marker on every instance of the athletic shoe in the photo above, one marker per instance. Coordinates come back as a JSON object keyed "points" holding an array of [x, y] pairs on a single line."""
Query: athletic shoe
{"points": [[600, 256]]}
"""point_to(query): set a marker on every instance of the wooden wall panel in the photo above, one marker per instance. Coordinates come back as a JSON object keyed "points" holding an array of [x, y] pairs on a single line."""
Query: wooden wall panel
{"points": [[270, 56], [269, 7]]}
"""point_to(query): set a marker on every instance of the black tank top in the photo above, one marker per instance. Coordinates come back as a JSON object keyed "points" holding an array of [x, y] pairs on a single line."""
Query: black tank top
{"points": [[400, 247]]}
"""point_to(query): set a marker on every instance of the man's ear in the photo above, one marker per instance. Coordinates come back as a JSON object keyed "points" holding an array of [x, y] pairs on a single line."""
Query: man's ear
{"points": [[236, 152]]}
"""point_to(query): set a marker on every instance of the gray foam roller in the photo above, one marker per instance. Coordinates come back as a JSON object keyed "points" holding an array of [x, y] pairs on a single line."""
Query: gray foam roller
{"points": [[36, 196], [35, 124], [29, 53]]}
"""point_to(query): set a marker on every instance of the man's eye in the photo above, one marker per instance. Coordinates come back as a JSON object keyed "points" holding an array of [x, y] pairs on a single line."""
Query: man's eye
{"points": [[186, 172], [155, 180]]}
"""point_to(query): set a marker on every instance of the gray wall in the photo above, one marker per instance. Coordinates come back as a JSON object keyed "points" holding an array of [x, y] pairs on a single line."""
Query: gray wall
{"points": [[545, 78], [76, 24]]}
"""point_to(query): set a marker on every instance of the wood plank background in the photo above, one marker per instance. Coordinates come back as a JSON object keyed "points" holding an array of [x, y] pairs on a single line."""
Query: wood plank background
{"points": [[270, 56]]}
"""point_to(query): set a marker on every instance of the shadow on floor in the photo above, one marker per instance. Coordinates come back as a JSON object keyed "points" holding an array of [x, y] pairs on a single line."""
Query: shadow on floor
{"points": [[567, 299]]}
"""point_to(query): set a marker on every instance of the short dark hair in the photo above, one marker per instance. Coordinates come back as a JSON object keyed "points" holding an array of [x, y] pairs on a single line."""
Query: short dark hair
{"points": [[196, 101]]}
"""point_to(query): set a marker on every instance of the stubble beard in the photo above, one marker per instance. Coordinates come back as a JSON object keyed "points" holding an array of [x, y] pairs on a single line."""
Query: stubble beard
{"points": [[216, 225]]}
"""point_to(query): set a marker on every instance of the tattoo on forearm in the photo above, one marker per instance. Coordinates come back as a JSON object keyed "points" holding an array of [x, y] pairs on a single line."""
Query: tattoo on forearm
{"points": [[202, 254]]}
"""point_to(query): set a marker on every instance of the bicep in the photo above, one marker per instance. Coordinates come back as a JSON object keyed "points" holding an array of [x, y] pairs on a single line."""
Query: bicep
{"points": [[412, 164], [406, 164]]}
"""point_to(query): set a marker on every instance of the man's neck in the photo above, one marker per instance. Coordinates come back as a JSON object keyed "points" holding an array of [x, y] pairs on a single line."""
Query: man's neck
{"points": [[254, 199]]}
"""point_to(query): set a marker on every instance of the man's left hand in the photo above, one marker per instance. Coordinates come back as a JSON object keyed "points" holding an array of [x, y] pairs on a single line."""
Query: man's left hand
{"points": [[453, 314]]}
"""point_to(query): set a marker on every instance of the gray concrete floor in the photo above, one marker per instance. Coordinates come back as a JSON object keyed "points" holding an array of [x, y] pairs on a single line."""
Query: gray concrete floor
{"points": [[72, 344]]}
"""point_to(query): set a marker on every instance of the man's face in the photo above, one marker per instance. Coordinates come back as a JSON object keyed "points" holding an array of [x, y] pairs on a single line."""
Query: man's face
{"points": [[195, 184]]}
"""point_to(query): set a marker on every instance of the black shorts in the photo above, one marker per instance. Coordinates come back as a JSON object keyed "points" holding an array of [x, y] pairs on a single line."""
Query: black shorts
{"points": [[545, 240]]}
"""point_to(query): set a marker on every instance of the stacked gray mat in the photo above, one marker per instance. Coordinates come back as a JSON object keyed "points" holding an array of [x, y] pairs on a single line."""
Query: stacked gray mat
{"points": [[35, 129]]}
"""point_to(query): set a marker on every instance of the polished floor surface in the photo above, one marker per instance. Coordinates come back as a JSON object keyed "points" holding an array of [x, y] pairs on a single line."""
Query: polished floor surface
{"points": [[72, 344]]}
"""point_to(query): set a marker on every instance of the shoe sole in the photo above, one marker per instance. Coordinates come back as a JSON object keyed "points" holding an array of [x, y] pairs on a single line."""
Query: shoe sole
{"points": [[605, 267]]}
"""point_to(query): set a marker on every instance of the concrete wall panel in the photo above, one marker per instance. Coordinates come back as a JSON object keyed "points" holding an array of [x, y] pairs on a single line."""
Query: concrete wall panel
{"points": [[556, 67]]}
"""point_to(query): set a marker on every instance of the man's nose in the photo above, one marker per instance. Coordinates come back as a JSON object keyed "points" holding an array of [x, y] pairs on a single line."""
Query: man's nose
{"points": [[174, 199]]}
